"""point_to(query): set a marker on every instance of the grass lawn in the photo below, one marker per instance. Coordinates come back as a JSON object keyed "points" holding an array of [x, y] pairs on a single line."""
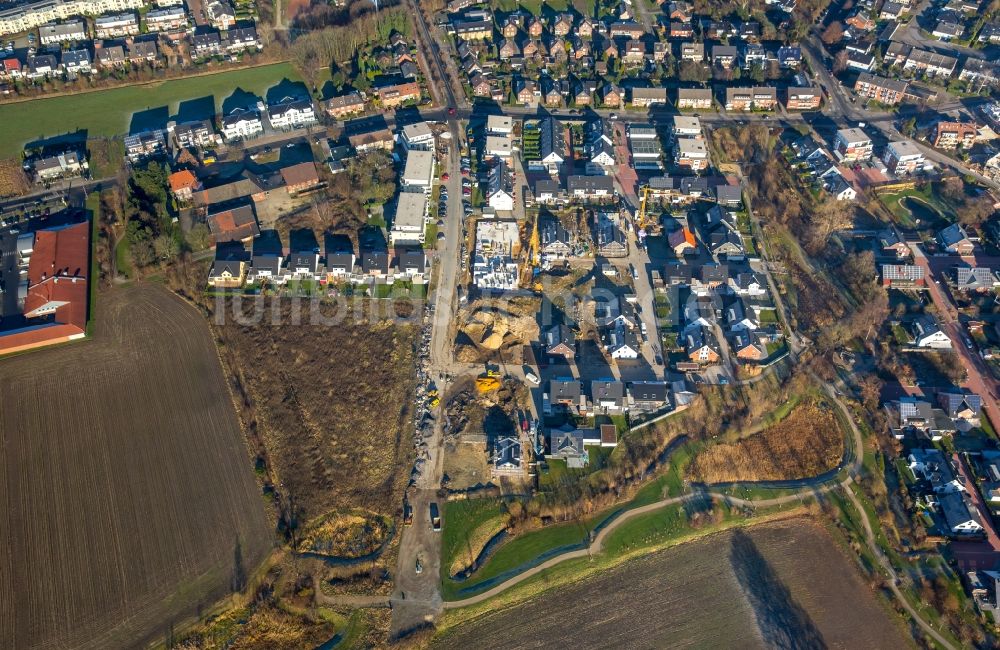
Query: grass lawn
{"points": [[768, 316], [460, 519], [108, 113], [123, 258], [518, 551], [668, 484]]}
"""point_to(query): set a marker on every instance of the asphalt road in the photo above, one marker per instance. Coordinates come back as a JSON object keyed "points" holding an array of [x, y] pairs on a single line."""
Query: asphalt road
{"points": [[980, 380], [417, 597]]}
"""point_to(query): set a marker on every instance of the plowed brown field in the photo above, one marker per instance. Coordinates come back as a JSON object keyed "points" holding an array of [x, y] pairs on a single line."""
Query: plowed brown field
{"points": [[780, 585], [129, 499]]}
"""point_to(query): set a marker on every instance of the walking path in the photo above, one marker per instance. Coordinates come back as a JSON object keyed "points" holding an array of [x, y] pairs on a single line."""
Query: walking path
{"points": [[852, 462]]}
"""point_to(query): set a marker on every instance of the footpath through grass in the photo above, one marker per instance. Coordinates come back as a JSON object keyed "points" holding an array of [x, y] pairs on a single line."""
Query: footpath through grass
{"points": [[108, 113]]}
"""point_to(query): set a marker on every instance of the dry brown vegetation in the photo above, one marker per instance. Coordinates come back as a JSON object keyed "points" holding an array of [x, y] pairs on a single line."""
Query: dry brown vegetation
{"points": [[327, 409], [346, 535], [13, 180], [806, 443], [784, 584], [129, 497]]}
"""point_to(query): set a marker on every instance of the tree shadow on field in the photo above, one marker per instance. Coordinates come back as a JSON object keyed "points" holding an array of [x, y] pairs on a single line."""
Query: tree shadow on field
{"points": [[782, 622]]}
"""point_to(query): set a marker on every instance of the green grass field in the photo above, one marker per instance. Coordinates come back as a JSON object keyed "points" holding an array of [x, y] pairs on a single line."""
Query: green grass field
{"points": [[461, 518], [108, 113]]}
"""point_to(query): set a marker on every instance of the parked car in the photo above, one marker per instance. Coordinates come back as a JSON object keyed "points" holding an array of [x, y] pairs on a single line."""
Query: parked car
{"points": [[532, 378]]}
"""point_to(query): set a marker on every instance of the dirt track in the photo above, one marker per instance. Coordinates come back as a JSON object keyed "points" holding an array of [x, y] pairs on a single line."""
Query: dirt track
{"points": [[753, 588], [130, 499]]}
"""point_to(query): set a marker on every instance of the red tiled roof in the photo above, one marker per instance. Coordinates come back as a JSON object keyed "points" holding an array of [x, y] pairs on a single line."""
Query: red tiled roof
{"points": [[57, 273], [301, 174], [183, 179]]}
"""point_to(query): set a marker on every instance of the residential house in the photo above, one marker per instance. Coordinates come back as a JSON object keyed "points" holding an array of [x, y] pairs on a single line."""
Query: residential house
{"points": [[220, 14], [954, 240], [183, 185], [607, 396], [701, 346], [301, 177], [292, 113], [242, 124], [927, 334], [648, 395], [748, 345], [566, 443], [228, 273], [931, 64], [75, 61], [236, 223], [396, 95], [568, 393], [692, 98], [344, 105], [756, 98], [693, 52], [978, 72], [559, 341], [977, 278], [646, 97], [554, 240], [903, 276], [206, 42], [500, 188]]}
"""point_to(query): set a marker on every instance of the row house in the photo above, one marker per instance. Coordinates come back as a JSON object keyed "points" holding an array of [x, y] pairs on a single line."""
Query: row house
{"points": [[76, 62], [931, 64], [646, 97], [883, 90], [694, 98], [979, 72], [68, 32], [25, 16], [680, 30], [166, 20], [756, 98], [41, 66], [242, 38], [206, 43], [116, 26]]}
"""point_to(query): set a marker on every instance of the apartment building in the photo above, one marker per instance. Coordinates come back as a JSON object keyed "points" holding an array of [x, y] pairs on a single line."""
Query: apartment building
{"points": [[903, 157], [883, 90], [852, 145], [746, 99], [949, 135], [116, 25], [23, 17], [166, 20], [56, 33], [803, 99]]}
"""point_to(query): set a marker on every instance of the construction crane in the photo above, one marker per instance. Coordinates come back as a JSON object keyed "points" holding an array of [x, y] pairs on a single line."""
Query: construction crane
{"points": [[534, 263]]}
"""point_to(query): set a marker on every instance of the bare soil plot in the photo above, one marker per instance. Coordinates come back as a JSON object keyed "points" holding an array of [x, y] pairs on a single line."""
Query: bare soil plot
{"points": [[784, 584], [129, 500], [329, 405]]}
